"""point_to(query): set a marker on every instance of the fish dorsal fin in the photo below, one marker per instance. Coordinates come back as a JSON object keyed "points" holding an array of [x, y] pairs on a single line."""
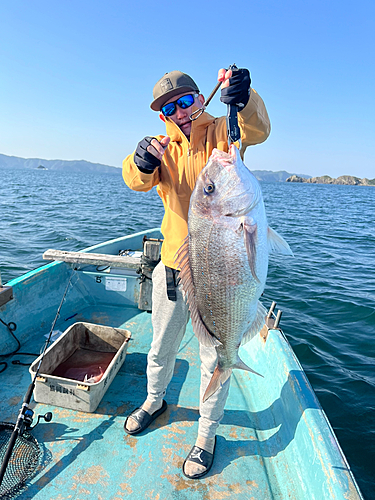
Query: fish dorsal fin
{"points": [[277, 244], [250, 237], [200, 331], [256, 325]]}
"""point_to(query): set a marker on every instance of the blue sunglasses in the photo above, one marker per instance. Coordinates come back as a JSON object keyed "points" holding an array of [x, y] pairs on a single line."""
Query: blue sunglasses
{"points": [[183, 102]]}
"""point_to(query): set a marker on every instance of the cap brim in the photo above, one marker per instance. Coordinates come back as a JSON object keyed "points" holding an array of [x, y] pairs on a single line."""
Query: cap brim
{"points": [[158, 103]]}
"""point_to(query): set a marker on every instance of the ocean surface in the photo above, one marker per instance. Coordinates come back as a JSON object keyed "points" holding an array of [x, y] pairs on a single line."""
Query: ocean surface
{"points": [[326, 292]]}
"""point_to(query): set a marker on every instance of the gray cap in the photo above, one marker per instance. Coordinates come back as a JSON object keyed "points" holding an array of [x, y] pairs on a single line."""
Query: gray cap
{"points": [[169, 85]]}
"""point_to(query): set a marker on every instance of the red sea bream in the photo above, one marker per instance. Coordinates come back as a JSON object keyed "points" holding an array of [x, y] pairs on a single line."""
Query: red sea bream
{"points": [[224, 260]]}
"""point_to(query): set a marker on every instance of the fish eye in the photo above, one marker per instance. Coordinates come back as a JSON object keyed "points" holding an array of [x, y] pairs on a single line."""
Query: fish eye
{"points": [[209, 189]]}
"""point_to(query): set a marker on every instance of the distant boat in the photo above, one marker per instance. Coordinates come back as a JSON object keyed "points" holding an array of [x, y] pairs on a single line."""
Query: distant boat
{"points": [[41, 167]]}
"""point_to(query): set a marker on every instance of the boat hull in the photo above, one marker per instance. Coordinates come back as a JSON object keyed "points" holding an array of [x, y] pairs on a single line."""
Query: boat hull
{"points": [[273, 442]]}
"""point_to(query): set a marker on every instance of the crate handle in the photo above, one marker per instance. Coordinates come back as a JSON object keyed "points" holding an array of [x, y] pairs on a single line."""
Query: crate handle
{"points": [[83, 387]]}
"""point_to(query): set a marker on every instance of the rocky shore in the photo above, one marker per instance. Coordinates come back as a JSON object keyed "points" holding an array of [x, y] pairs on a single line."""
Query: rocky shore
{"points": [[348, 180]]}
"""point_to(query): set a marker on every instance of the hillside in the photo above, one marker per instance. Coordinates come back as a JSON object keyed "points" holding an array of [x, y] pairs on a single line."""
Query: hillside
{"points": [[345, 180], [86, 166], [61, 165], [279, 176]]}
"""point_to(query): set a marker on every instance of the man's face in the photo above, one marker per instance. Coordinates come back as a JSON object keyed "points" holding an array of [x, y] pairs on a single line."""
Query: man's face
{"points": [[181, 116]]}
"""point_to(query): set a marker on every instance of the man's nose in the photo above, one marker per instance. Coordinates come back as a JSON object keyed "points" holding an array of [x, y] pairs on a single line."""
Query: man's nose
{"points": [[181, 113]]}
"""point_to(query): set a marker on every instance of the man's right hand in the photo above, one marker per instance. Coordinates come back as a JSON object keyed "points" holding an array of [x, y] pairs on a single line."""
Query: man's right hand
{"points": [[149, 153]]}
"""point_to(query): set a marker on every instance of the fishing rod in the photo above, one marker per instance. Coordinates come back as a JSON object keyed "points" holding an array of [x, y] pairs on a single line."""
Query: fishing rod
{"points": [[25, 416], [198, 112]]}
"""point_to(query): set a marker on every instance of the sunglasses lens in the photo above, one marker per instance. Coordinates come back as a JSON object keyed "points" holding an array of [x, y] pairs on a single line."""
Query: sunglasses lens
{"points": [[186, 101], [183, 102], [168, 109]]}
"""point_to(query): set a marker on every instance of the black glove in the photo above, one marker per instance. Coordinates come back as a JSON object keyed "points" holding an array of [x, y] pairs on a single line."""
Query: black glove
{"points": [[145, 161], [238, 92]]}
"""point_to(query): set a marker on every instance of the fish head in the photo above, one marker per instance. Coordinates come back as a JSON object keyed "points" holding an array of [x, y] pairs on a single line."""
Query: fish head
{"points": [[225, 186]]}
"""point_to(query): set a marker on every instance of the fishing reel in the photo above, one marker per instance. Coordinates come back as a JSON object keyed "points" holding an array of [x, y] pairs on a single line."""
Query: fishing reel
{"points": [[20, 432], [28, 418]]}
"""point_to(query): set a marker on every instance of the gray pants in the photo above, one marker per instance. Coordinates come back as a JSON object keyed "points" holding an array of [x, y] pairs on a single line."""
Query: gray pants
{"points": [[169, 320]]}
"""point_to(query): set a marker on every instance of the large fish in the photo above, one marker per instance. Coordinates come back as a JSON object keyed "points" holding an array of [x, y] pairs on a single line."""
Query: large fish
{"points": [[224, 260]]}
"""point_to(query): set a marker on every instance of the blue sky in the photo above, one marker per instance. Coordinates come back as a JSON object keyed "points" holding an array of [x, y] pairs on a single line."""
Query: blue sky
{"points": [[76, 77]]}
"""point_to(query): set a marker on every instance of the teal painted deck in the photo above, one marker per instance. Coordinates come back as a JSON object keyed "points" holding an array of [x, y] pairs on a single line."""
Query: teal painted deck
{"points": [[274, 441]]}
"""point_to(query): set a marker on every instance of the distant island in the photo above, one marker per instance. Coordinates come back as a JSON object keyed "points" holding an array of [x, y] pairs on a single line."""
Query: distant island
{"points": [[86, 166], [60, 165], [344, 180], [279, 176]]}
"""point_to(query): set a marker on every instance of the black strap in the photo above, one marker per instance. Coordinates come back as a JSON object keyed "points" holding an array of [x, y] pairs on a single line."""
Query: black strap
{"points": [[171, 277]]}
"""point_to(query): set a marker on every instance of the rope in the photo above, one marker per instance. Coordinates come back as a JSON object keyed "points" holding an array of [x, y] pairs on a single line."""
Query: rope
{"points": [[147, 267], [11, 327]]}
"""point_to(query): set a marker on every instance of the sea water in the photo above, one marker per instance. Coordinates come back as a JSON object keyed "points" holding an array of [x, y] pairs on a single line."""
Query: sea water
{"points": [[326, 291]]}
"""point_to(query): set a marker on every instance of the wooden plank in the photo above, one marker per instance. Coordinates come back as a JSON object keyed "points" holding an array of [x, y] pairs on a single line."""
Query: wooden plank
{"points": [[151, 250], [6, 294], [95, 259]]}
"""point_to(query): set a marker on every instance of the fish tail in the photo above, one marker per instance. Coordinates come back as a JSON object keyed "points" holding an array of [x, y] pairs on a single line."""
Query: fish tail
{"points": [[218, 378], [240, 365]]}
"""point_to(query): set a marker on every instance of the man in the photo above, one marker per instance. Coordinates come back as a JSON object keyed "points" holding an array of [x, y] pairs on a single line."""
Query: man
{"points": [[172, 163]]}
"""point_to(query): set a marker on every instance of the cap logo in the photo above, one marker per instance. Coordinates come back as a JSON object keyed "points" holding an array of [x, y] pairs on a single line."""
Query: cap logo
{"points": [[166, 85]]}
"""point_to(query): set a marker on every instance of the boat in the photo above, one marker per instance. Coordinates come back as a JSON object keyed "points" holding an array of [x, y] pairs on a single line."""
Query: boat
{"points": [[274, 441]]}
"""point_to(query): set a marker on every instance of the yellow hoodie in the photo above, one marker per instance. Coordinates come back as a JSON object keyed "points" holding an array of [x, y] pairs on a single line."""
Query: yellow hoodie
{"points": [[183, 161]]}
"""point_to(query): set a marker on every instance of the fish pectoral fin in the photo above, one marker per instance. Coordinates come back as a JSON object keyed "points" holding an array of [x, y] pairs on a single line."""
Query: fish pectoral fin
{"points": [[203, 335], [182, 260], [256, 325], [277, 244], [218, 378], [250, 236]]}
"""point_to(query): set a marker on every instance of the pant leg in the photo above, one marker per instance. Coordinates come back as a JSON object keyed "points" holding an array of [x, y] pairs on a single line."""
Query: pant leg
{"points": [[212, 411], [169, 320]]}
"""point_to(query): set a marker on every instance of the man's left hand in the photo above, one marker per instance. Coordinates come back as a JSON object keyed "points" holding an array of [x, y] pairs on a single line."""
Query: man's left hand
{"points": [[235, 89]]}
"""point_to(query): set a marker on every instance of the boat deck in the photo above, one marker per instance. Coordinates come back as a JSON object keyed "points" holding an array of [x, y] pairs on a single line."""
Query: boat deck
{"points": [[88, 455]]}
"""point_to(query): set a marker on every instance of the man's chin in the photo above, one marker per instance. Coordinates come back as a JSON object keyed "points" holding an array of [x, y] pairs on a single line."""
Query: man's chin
{"points": [[186, 128]]}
